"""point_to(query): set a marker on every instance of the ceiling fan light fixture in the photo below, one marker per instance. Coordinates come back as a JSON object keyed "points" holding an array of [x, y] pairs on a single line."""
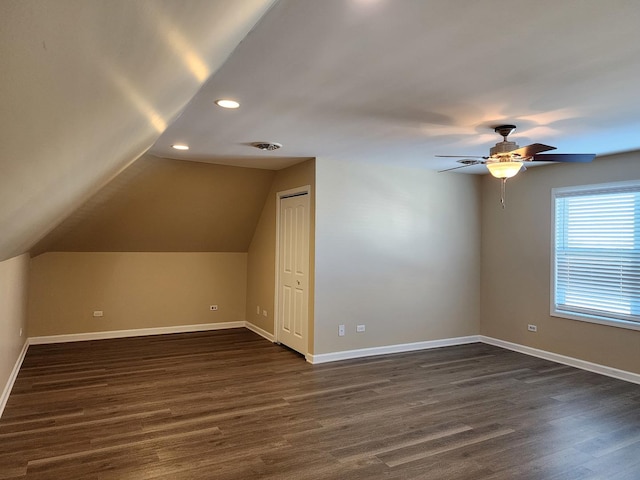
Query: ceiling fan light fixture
{"points": [[504, 169], [506, 157]]}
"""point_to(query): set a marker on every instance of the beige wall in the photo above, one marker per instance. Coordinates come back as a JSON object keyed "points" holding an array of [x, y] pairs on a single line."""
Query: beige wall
{"points": [[14, 274], [164, 205], [135, 290], [398, 250], [516, 268], [262, 258]]}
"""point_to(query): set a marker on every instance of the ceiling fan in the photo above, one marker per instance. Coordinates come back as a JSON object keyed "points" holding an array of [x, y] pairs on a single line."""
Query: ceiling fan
{"points": [[507, 158]]}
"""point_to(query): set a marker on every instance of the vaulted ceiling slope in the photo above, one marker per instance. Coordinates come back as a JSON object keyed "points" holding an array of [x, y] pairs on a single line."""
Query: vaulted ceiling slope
{"points": [[87, 86], [163, 205]]}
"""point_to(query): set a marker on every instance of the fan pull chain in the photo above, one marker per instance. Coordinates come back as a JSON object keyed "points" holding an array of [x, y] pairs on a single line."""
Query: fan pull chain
{"points": [[503, 191]]}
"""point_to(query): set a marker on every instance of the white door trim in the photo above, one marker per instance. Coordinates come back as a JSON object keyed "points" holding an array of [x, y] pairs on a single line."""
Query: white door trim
{"points": [[276, 312]]}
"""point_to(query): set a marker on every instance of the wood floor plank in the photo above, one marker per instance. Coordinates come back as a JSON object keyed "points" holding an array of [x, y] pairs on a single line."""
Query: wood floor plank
{"points": [[230, 405]]}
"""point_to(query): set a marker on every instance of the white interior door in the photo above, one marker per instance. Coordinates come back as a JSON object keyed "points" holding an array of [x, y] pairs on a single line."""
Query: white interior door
{"points": [[293, 271]]}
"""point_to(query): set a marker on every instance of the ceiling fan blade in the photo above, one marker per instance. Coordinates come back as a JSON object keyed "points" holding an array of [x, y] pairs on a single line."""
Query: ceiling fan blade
{"points": [[565, 157], [461, 156], [461, 166], [531, 150]]}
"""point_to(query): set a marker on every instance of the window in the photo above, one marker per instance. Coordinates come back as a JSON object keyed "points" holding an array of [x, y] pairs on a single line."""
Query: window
{"points": [[596, 254]]}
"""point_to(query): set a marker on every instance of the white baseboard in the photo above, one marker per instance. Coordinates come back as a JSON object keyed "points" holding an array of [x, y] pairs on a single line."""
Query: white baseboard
{"points": [[573, 362], [140, 332], [12, 378], [260, 331], [387, 349]]}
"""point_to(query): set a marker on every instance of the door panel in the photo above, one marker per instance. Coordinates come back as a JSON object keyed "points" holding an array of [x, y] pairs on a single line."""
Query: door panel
{"points": [[293, 271]]}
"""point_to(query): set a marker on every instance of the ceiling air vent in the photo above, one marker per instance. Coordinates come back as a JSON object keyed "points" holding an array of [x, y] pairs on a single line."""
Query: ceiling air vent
{"points": [[267, 146]]}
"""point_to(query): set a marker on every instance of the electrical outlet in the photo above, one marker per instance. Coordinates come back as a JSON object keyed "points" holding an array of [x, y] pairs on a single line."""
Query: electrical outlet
{"points": [[532, 328], [98, 313], [258, 310], [264, 313], [341, 330], [213, 308], [20, 332], [360, 328]]}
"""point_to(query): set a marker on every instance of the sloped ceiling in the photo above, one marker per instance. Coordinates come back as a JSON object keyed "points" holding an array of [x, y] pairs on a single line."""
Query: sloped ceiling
{"points": [[162, 205], [87, 87]]}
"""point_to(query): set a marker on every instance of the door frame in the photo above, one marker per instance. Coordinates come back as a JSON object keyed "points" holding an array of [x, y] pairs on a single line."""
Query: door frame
{"points": [[292, 192]]}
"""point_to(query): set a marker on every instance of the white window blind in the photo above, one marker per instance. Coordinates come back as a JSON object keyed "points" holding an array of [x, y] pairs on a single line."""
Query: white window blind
{"points": [[597, 252]]}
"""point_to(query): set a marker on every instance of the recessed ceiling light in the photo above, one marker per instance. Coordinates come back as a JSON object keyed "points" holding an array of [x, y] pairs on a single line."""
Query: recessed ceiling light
{"points": [[177, 146], [226, 103]]}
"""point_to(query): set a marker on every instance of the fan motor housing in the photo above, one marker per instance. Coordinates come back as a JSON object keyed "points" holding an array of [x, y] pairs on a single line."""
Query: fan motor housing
{"points": [[502, 148]]}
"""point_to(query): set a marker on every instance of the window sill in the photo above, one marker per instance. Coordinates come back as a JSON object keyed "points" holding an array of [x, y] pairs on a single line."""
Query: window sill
{"points": [[594, 319]]}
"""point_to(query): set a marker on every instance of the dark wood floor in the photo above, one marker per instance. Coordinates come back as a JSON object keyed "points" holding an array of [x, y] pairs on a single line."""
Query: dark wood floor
{"points": [[230, 405]]}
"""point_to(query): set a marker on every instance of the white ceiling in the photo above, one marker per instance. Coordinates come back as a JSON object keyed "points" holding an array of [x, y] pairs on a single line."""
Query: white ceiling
{"points": [[88, 86], [403, 80]]}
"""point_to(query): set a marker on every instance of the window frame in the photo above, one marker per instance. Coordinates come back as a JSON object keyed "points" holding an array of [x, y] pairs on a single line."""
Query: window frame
{"points": [[572, 315]]}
